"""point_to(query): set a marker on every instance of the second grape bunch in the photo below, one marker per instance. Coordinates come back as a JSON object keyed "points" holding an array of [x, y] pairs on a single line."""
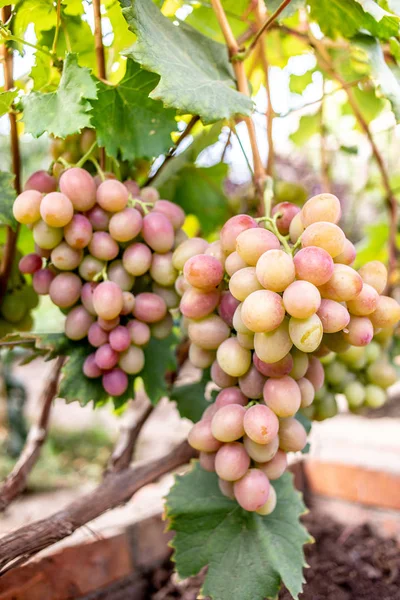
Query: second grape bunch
{"points": [[263, 305]]}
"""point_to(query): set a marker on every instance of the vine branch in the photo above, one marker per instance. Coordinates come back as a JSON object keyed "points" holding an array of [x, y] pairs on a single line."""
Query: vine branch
{"points": [[16, 481], [264, 27], [100, 58]]}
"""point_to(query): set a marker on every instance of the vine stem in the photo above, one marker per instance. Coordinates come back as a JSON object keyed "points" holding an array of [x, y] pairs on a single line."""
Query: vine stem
{"points": [[325, 61], [243, 87], [57, 31], [264, 27], [326, 181], [100, 58], [12, 236]]}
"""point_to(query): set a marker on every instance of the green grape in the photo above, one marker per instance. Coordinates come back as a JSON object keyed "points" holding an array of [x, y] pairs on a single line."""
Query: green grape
{"points": [[375, 396], [327, 408], [355, 394], [13, 308], [335, 373], [382, 374], [372, 352]]}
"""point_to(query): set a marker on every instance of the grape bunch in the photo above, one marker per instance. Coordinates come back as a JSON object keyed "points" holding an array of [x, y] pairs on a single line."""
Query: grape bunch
{"points": [[262, 305], [19, 300], [104, 254]]}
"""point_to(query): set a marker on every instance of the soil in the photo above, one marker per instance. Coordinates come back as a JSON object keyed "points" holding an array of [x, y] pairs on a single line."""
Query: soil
{"points": [[345, 564]]}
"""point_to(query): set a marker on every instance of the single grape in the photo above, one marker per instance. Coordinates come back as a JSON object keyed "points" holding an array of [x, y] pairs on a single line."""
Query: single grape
{"points": [[232, 228], [230, 395], [200, 358], [115, 382], [137, 259], [90, 367], [215, 250], [162, 270], [97, 336], [246, 340], [233, 358], [77, 323], [372, 352], [282, 395], [315, 373], [296, 228], [90, 267], [262, 311], [333, 315], [120, 276], [301, 299], [203, 272], [139, 332], [348, 254], [345, 284], [120, 338], [209, 412], [227, 307], [252, 243], [201, 438], [128, 303], [80, 188], [287, 212], [163, 328], [132, 187], [275, 270], [158, 232], [45, 236], [359, 331], [125, 225], [313, 264], [106, 357], [149, 194], [355, 394], [65, 289], [65, 258], [13, 307], [26, 207], [261, 424], [231, 461], [169, 295], [323, 207], [276, 369], [227, 423], [99, 218], [186, 250], [386, 314], [375, 274], [275, 467], [375, 396], [237, 321], [181, 285], [261, 452], [365, 303], [112, 195], [102, 246], [226, 488], [41, 281], [107, 300], [300, 364], [354, 357], [42, 252], [131, 360], [243, 283], [292, 435], [307, 392], [208, 333], [207, 461], [173, 212], [30, 263], [252, 490], [56, 209], [149, 308], [273, 345], [233, 263], [336, 342], [78, 232], [252, 383], [324, 235], [42, 182], [220, 378], [306, 334], [382, 373]]}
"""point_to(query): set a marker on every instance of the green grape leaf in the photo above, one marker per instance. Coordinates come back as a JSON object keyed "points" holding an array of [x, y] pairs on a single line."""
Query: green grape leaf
{"points": [[298, 83], [39, 13], [150, 125], [248, 555], [374, 244], [65, 111], [204, 20], [346, 19], [294, 5], [7, 197], [190, 398], [309, 125], [159, 359], [74, 386], [6, 99], [195, 74]]}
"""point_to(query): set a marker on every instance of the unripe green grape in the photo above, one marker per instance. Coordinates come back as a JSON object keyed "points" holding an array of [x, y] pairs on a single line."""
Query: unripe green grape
{"points": [[270, 504], [47, 237], [300, 364], [261, 452], [309, 411], [275, 270], [335, 373], [13, 307], [306, 334], [372, 352], [355, 394], [336, 342], [354, 356], [375, 396], [132, 360], [90, 267], [382, 373], [273, 345], [296, 228], [163, 328], [233, 358], [327, 407]]}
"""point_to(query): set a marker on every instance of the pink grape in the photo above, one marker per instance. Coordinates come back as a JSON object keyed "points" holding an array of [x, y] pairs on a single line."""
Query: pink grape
{"points": [[30, 263], [199, 357], [115, 382], [324, 235], [234, 262], [232, 228], [275, 467], [56, 209], [243, 283], [227, 307], [149, 308], [386, 314], [78, 232], [99, 218], [80, 188], [120, 338], [301, 299], [97, 336], [307, 392], [132, 360], [137, 259], [272, 346], [276, 369], [41, 281], [230, 395], [334, 316], [233, 358], [262, 311], [375, 274], [252, 490], [215, 249], [158, 232], [98, 179], [186, 250], [87, 296], [106, 357], [173, 212], [107, 300], [102, 246], [207, 461], [261, 452], [149, 194], [314, 265], [209, 412], [65, 258], [125, 225], [112, 195], [231, 461], [227, 423], [65, 289], [201, 438], [315, 373], [348, 254], [220, 378], [26, 207], [365, 303], [128, 303], [139, 332], [275, 270], [288, 211], [42, 182], [208, 333], [203, 272], [120, 276], [359, 331], [252, 243], [90, 367], [46, 237], [77, 323], [270, 505], [261, 424], [108, 324], [345, 284], [90, 267], [252, 383], [282, 395], [292, 435], [226, 488], [132, 188], [323, 207], [162, 270]]}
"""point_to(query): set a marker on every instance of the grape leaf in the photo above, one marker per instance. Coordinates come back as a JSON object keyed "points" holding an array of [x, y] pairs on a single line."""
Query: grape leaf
{"points": [[293, 7], [204, 20], [65, 111], [7, 197], [346, 19], [248, 555], [298, 83], [39, 13], [195, 74], [6, 99], [190, 398], [309, 125], [159, 359], [150, 125]]}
